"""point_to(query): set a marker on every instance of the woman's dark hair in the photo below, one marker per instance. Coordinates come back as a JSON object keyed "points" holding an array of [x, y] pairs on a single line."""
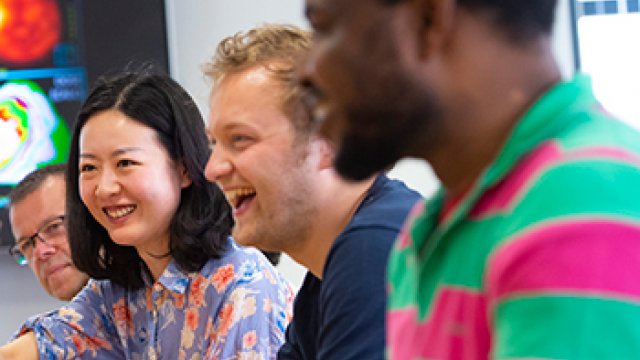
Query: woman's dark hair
{"points": [[203, 220]]}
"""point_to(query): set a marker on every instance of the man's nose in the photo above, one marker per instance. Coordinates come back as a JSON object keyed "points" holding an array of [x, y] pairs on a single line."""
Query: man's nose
{"points": [[43, 249], [218, 165]]}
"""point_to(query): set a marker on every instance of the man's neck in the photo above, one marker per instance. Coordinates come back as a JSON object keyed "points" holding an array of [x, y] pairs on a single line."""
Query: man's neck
{"points": [[340, 200], [503, 88]]}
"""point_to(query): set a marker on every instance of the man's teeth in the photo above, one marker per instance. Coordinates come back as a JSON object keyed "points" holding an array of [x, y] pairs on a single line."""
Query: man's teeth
{"points": [[120, 212], [234, 195]]}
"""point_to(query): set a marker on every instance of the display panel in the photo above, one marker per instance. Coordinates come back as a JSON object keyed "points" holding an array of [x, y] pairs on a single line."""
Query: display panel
{"points": [[606, 50], [51, 51]]}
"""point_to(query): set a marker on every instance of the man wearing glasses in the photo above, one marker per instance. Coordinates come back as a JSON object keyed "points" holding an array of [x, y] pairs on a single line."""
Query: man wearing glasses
{"points": [[36, 213]]}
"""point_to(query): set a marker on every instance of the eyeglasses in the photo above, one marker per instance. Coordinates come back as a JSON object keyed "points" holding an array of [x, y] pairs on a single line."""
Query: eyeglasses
{"points": [[52, 232]]}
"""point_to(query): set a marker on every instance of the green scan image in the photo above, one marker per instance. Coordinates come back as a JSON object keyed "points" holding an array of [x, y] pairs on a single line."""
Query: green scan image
{"points": [[32, 134]]}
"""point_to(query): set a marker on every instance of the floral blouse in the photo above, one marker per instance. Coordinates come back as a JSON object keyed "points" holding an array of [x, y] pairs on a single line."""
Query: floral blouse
{"points": [[236, 307]]}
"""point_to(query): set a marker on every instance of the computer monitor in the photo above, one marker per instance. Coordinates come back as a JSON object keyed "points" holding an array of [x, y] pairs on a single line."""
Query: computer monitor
{"points": [[51, 51]]}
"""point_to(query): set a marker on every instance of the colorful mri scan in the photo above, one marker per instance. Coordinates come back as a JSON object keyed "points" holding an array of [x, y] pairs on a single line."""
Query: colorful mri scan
{"points": [[32, 134]]}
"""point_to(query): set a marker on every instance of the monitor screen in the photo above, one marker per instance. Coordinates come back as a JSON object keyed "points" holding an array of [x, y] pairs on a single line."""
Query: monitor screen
{"points": [[605, 31], [51, 51]]}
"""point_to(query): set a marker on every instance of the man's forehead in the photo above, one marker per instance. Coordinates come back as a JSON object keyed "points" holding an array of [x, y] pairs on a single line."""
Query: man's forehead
{"points": [[312, 7], [244, 90], [53, 181], [45, 202], [313, 4], [53, 187], [336, 7]]}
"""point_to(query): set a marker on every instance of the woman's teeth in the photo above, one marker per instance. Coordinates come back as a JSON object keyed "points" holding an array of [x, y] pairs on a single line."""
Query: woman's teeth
{"points": [[120, 212]]}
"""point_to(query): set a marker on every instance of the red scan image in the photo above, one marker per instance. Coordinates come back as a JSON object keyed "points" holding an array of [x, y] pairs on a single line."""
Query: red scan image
{"points": [[29, 29]]}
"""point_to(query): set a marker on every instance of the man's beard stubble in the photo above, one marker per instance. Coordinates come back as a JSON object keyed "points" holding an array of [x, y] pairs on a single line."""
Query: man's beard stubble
{"points": [[287, 226], [377, 134]]}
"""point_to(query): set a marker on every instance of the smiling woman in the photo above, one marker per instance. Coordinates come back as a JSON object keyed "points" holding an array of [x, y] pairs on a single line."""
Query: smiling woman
{"points": [[124, 171], [144, 222]]}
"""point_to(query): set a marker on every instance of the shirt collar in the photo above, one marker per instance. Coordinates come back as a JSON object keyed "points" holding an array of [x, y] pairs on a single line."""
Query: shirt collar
{"points": [[173, 278], [542, 121]]}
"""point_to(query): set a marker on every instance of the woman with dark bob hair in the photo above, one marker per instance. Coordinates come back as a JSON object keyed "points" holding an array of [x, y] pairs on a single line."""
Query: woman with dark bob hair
{"points": [[153, 234]]}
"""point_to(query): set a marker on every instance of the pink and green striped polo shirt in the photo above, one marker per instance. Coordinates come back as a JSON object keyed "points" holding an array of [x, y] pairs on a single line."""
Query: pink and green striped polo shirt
{"points": [[540, 258]]}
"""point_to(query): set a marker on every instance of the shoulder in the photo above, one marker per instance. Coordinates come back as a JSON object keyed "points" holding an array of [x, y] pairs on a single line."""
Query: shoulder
{"points": [[386, 205], [246, 268], [561, 178], [356, 264], [600, 178], [104, 291], [234, 256], [377, 222], [362, 249], [575, 212]]}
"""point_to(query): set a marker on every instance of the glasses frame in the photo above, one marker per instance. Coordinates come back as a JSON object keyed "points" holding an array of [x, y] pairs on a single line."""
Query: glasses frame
{"points": [[19, 255]]}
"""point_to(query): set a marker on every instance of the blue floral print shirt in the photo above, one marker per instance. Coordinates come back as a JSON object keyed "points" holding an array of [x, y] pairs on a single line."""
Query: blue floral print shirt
{"points": [[236, 307]]}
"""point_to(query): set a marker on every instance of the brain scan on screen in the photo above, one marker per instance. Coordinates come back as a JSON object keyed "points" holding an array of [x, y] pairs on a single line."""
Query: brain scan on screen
{"points": [[31, 132]]}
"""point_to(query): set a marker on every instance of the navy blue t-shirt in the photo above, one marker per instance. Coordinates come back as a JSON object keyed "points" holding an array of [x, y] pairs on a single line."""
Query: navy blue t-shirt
{"points": [[342, 316]]}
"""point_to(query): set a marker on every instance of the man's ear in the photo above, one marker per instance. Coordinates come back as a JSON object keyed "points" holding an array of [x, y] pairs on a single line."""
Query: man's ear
{"points": [[435, 23], [185, 179], [326, 152]]}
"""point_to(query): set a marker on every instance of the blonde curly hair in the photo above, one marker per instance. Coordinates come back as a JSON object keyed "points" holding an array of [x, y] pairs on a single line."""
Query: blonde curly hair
{"points": [[278, 48]]}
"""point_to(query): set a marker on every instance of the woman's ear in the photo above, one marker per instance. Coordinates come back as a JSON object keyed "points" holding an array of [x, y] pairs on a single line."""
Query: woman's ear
{"points": [[185, 179]]}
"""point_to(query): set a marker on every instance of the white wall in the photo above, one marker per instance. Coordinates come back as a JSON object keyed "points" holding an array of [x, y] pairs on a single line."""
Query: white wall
{"points": [[562, 40], [20, 295], [194, 28]]}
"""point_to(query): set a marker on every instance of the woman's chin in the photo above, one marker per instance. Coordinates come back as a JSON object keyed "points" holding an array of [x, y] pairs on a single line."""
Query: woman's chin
{"points": [[122, 240]]}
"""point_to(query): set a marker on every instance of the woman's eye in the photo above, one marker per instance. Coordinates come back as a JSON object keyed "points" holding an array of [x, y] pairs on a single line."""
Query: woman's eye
{"points": [[86, 167], [125, 162]]}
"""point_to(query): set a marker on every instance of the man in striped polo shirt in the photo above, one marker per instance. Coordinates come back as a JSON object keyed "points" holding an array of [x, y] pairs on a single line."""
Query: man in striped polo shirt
{"points": [[531, 247]]}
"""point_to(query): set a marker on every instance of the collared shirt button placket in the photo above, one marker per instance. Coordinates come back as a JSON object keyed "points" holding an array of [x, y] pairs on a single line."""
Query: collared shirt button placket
{"points": [[155, 298]]}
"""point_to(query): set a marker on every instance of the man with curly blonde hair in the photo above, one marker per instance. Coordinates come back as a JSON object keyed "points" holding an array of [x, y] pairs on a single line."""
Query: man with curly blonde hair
{"points": [[277, 174]]}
